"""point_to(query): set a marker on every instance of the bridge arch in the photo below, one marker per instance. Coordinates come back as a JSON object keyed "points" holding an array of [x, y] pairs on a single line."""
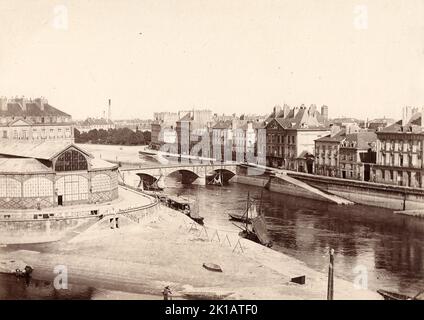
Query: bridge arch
{"points": [[188, 173], [187, 176], [222, 174]]}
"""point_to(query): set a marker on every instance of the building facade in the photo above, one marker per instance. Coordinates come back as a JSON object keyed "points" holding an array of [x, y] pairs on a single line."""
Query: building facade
{"points": [[33, 120], [400, 152], [327, 154], [291, 135], [163, 129], [357, 156], [193, 132]]}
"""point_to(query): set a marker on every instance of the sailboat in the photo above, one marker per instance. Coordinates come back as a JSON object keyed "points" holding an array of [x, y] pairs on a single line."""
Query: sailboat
{"points": [[257, 231], [246, 217], [194, 212]]}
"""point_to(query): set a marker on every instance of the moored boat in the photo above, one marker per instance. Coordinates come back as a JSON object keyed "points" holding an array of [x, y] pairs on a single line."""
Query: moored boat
{"points": [[186, 206], [247, 216], [257, 232], [239, 218], [389, 295]]}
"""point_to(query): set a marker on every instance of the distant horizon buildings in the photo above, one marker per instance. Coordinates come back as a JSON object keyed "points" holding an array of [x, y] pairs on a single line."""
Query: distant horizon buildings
{"points": [[33, 119]]}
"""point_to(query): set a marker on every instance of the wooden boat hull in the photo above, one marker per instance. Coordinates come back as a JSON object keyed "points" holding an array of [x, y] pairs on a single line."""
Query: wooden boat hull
{"points": [[239, 218], [212, 267], [199, 220], [249, 235], [387, 295]]}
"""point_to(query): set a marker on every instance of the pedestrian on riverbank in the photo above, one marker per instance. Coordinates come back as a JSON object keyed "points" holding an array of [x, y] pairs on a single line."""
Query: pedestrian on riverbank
{"points": [[167, 294]]}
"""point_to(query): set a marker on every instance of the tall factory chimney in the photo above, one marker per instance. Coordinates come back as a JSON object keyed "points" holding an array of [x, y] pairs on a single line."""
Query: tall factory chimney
{"points": [[324, 112], [109, 111]]}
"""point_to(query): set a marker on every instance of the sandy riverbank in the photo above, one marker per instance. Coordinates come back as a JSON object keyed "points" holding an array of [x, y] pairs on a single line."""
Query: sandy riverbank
{"points": [[166, 249]]}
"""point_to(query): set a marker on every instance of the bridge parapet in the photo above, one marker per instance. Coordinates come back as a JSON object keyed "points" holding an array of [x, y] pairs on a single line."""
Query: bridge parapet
{"points": [[190, 172]]}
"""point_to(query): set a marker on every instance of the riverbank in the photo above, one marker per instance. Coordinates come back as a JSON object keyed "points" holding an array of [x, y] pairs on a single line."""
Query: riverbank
{"points": [[360, 192], [168, 249]]}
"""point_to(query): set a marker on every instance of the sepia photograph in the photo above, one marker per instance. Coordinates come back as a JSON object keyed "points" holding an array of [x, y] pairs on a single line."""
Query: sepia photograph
{"points": [[228, 151]]}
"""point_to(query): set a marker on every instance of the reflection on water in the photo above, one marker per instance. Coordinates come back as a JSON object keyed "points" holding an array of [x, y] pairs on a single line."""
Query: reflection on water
{"points": [[388, 245]]}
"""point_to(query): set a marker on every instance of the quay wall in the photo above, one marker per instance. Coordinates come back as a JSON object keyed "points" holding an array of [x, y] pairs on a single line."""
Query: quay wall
{"points": [[275, 185], [367, 193], [37, 226]]}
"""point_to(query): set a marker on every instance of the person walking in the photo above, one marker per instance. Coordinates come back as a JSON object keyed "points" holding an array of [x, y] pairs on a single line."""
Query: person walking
{"points": [[167, 294]]}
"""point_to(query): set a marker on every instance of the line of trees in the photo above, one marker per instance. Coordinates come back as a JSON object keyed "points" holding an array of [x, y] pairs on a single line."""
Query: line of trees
{"points": [[121, 136]]}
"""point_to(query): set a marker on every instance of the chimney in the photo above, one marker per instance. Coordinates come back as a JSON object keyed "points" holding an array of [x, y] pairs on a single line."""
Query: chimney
{"points": [[40, 103], [277, 110], [324, 112], [109, 111], [406, 115], [334, 130], [312, 110], [3, 103], [414, 111], [286, 110], [296, 110], [23, 104]]}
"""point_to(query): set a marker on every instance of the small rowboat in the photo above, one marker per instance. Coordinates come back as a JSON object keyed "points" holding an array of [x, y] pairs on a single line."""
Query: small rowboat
{"points": [[212, 267], [388, 295]]}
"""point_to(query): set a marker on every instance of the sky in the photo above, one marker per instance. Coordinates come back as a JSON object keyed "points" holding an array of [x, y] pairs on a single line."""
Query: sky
{"points": [[361, 58]]}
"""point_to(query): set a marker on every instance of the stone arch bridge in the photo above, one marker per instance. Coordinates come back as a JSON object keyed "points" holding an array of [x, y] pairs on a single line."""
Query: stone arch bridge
{"points": [[203, 173]]}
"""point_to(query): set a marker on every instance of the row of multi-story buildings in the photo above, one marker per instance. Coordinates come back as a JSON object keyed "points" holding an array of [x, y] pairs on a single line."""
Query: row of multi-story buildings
{"points": [[304, 139], [203, 133], [384, 151]]}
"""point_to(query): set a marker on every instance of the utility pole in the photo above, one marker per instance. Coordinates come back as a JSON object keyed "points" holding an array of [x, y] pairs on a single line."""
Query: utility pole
{"points": [[330, 288]]}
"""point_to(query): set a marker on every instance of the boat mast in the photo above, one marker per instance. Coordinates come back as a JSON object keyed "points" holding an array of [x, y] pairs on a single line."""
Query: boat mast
{"points": [[260, 205], [247, 210]]}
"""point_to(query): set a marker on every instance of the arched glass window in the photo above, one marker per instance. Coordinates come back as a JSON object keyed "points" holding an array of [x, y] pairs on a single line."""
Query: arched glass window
{"points": [[71, 160]]}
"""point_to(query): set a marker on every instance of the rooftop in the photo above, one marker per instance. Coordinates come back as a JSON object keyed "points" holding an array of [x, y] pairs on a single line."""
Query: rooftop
{"points": [[23, 165], [360, 140], [300, 118], [44, 150], [413, 125], [228, 124], [338, 137], [29, 108], [99, 164]]}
